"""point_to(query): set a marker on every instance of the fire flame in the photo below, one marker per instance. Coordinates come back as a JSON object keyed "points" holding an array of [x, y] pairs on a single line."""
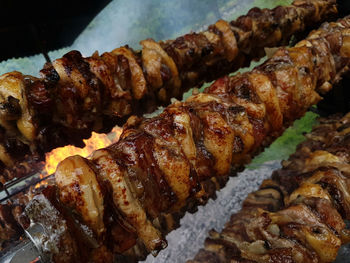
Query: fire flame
{"points": [[96, 141]]}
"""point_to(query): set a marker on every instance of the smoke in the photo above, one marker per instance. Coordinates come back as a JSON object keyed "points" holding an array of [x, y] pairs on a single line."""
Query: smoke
{"points": [[27, 65], [110, 28]]}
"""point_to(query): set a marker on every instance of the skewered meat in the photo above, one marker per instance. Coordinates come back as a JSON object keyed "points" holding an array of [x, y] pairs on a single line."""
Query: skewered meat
{"points": [[77, 95], [297, 215], [161, 165]]}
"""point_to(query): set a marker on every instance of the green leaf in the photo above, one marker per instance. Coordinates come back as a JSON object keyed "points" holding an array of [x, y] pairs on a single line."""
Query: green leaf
{"points": [[271, 3]]}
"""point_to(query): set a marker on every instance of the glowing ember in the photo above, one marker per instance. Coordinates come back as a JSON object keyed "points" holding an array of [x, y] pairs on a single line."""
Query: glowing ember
{"points": [[96, 141]]}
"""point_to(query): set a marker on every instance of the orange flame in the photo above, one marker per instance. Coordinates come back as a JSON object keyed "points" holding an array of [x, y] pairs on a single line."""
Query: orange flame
{"points": [[96, 141]]}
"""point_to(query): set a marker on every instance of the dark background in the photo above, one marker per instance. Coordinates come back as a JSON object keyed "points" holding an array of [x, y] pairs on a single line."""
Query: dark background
{"points": [[35, 26]]}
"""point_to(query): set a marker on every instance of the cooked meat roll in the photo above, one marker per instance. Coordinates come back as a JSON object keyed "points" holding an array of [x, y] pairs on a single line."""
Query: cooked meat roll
{"points": [[119, 198], [76, 95]]}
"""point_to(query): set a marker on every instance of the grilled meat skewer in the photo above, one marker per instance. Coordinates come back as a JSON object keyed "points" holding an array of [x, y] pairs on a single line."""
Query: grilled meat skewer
{"points": [[77, 95], [297, 215], [115, 199]]}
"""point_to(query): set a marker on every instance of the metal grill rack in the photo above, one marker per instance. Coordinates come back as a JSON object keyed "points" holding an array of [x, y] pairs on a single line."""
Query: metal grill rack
{"points": [[19, 185]]}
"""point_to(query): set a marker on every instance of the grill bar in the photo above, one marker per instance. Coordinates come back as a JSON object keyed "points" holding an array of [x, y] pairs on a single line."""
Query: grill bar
{"points": [[22, 184]]}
